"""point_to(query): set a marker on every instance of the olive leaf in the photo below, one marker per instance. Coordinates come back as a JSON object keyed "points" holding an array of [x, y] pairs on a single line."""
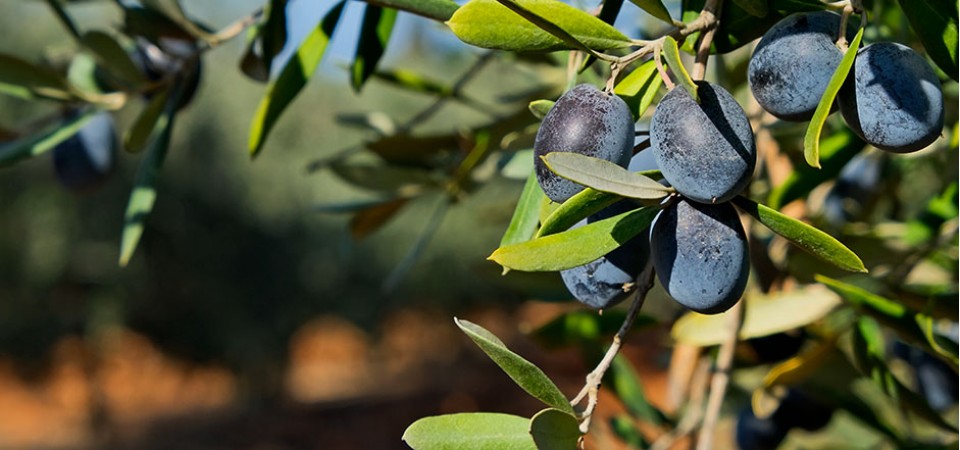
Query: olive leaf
{"points": [[580, 206], [808, 238], [528, 376], [46, 139], [672, 54], [540, 108], [23, 79], [655, 8], [935, 23], [533, 25], [605, 176], [374, 35], [811, 140], [476, 431], [440, 10], [553, 429], [639, 88], [525, 218], [138, 135]]}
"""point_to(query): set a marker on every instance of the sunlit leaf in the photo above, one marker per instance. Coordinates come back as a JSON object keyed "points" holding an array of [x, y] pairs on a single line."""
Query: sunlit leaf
{"points": [[490, 24], [48, 138], [525, 219], [470, 431], [605, 176], [440, 10], [811, 140], [672, 54], [553, 429], [655, 8], [935, 23], [293, 77], [639, 88], [540, 108], [763, 316], [523, 372], [808, 238], [574, 247], [267, 41], [580, 206], [374, 35]]}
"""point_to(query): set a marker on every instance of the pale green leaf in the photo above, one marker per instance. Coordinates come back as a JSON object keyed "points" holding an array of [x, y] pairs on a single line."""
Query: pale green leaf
{"points": [[655, 8], [580, 206], [523, 225], [490, 24], [639, 88], [811, 140], [26, 80], [293, 77], [805, 236], [574, 247], [672, 54], [763, 316], [604, 176], [48, 138], [470, 431], [440, 10], [553, 429], [528, 376], [540, 108]]}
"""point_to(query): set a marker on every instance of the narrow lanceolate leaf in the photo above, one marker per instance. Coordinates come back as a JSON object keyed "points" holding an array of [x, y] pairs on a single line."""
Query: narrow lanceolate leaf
{"points": [[763, 316], [440, 10], [533, 25], [523, 225], [293, 77], [523, 372], [672, 54], [33, 145], [811, 140], [655, 8], [136, 138], [605, 176], [144, 193], [26, 80], [553, 429], [473, 431], [914, 327], [580, 206], [374, 35], [625, 382], [808, 238], [266, 41], [935, 22], [540, 108], [639, 88], [113, 57], [574, 247]]}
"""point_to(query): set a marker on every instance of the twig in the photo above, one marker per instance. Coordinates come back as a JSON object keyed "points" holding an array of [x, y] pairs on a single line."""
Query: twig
{"points": [[693, 414], [842, 43], [591, 388], [720, 379], [706, 39], [662, 70]]}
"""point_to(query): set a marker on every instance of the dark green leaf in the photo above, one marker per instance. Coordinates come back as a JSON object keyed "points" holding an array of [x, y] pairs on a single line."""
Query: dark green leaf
{"points": [[268, 40], [153, 24], [672, 55], [523, 372], [523, 225], [574, 247], [374, 35], [490, 24], [553, 429], [440, 10], [639, 88], [540, 108], [811, 140], [756, 8], [26, 80], [626, 384], [113, 57], [584, 327], [172, 10], [580, 206], [136, 138], [808, 238], [655, 8], [33, 145], [624, 428], [470, 431], [407, 149], [605, 176], [382, 177], [293, 77], [935, 22]]}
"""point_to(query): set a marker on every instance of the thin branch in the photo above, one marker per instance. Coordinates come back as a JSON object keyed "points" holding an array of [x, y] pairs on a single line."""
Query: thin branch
{"points": [[720, 379], [693, 414], [234, 29], [706, 39]]}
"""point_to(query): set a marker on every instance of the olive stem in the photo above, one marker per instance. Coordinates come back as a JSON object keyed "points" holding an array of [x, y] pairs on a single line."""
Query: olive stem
{"points": [[662, 70], [720, 379], [706, 39], [591, 388], [842, 43]]}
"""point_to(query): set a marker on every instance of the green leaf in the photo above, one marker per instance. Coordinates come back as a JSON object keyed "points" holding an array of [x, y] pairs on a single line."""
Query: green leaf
{"points": [[672, 55], [540, 108], [626, 384], [585, 327], [811, 140], [440, 10], [293, 77], [113, 57], [655, 8], [914, 327], [808, 238], [152, 22], [574, 247], [553, 429], [381, 177], [48, 138], [639, 88], [490, 24], [580, 206], [525, 219], [763, 316], [267, 41], [137, 136], [412, 81], [374, 35], [935, 23], [523, 372], [470, 431], [26, 80], [144, 193], [604, 176], [756, 8]]}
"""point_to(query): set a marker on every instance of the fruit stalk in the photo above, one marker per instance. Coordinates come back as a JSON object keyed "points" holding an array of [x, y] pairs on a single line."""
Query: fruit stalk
{"points": [[706, 39]]}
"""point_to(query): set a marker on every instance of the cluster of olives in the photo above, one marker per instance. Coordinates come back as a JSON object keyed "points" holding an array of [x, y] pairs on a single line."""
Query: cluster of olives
{"points": [[892, 98], [705, 150]]}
